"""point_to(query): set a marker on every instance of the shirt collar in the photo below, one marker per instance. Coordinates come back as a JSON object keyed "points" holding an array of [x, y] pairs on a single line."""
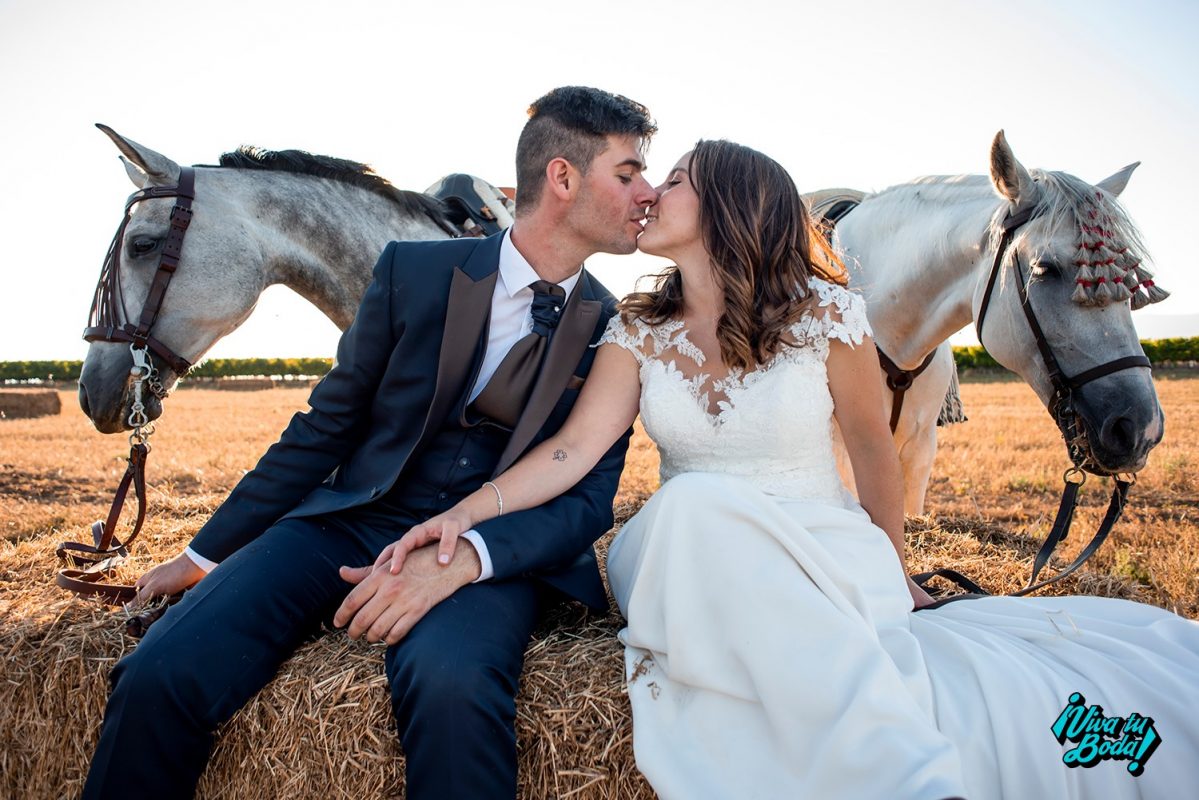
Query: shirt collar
{"points": [[517, 273]]}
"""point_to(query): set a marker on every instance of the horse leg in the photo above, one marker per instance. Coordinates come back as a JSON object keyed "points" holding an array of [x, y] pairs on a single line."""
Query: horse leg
{"points": [[916, 434]]}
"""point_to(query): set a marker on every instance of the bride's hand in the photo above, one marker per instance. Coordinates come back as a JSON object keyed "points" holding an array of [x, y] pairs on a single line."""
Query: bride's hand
{"points": [[444, 528], [920, 597]]}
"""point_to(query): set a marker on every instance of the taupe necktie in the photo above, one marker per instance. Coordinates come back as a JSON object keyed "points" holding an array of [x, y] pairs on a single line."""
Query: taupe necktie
{"points": [[503, 398]]}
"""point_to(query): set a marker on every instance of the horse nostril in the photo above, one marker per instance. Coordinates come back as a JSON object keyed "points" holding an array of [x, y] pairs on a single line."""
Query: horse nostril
{"points": [[87, 411], [1120, 435]]}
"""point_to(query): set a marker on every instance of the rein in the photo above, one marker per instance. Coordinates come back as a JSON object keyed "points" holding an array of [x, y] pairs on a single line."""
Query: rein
{"points": [[91, 563], [1061, 408]]}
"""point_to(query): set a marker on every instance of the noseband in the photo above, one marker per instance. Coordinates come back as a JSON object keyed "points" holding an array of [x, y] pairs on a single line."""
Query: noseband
{"points": [[108, 320], [1061, 405]]}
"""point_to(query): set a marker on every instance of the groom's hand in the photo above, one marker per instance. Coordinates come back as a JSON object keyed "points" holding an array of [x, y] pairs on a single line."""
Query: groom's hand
{"points": [[384, 607]]}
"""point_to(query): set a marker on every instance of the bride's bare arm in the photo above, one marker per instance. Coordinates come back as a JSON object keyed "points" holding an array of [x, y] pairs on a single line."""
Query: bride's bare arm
{"points": [[853, 380], [606, 407]]}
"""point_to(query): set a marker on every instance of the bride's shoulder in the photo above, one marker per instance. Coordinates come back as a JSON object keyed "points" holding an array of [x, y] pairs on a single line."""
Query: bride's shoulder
{"points": [[646, 339], [629, 333], [834, 312]]}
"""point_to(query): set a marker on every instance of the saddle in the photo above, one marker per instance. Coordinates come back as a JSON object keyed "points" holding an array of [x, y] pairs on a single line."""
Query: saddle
{"points": [[465, 207]]}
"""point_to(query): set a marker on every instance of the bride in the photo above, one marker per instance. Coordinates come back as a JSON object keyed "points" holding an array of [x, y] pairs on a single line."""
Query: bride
{"points": [[772, 649]]}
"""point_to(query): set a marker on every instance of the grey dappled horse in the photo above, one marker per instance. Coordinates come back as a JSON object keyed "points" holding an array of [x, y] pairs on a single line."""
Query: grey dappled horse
{"points": [[312, 223]]}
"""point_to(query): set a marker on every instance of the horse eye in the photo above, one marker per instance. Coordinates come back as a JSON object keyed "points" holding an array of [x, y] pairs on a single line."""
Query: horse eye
{"points": [[142, 245], [1043, 268]]}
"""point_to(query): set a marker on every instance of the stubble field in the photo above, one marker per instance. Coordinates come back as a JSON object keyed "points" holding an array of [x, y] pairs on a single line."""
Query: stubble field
{"points": [[993, 496], [997, 478]]}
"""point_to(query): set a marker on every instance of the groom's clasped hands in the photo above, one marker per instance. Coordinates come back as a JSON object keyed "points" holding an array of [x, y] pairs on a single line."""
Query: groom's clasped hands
{"points": [[409, 577]]}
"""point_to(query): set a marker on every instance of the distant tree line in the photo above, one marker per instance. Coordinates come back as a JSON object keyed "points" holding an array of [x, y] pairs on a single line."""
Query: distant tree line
{"points": [[212, 368], [1181, 351]]}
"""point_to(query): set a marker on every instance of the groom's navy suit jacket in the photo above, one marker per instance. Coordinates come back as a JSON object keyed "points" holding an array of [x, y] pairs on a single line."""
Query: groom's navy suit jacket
{"points": [[405, 365]]}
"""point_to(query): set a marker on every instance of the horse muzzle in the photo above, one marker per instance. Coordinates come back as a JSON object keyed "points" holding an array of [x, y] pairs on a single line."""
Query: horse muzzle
{"points": [[1121, 422], [106, 389]]}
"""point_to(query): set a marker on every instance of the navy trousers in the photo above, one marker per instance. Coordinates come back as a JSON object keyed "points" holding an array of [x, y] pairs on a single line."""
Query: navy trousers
{"points": [[453, 678]]}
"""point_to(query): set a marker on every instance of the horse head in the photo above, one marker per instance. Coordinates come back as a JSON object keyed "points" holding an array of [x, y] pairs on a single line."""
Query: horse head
{"points": [[1079, 257], [312, 223], [209, 298]]}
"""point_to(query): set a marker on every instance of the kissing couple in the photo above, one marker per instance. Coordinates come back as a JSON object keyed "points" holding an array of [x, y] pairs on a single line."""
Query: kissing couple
{"points": [[486, 392]]}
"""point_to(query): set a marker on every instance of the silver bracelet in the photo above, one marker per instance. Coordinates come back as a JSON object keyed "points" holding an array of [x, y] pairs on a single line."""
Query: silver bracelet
{"points": [[499, 499]]}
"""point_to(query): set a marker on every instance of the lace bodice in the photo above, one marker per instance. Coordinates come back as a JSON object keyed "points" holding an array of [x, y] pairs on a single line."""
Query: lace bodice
{"points": [[771, 425]]}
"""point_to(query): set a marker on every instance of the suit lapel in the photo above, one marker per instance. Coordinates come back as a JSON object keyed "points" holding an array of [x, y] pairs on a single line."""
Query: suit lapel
{"points": [[571, 337], [468, 310]]}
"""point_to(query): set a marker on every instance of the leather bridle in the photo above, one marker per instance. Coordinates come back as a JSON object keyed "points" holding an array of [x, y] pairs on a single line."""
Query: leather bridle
{"points": [[1061, 405], [1061, 408], [108, 321], [90, 564]]}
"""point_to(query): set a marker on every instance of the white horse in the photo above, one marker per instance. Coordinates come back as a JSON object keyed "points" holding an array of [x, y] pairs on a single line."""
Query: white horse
{"points": [[312, 223], [921, 253]]}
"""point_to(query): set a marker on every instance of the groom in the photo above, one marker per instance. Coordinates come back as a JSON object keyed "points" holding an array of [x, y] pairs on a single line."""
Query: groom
{"points": [[464, 353]]}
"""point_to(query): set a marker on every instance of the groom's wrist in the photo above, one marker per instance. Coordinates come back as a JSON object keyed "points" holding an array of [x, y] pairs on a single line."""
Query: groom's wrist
{"points": [[486, 569]]}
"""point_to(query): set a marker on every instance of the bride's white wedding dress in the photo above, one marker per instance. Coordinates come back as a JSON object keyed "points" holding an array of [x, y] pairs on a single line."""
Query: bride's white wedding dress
{"points": [[772, 651]]}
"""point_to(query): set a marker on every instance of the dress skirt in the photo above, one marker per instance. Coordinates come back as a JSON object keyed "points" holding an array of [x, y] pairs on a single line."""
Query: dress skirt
{"points": [[771, 652]]}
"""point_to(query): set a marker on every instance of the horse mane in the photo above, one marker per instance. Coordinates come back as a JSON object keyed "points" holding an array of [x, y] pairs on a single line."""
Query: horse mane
{"points": [[1068, 201], [1064, 200], [300, 162]]}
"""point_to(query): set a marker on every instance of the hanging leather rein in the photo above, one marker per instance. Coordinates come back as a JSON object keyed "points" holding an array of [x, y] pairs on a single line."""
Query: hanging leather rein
{"points": [[1061, 408], [107, 321]]}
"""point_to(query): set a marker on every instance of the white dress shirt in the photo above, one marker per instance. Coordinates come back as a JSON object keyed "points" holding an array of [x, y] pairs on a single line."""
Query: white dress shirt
{"points": [[511, 320]]}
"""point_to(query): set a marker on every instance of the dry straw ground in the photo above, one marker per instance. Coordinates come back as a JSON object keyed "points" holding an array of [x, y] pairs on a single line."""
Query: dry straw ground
{"points": [[322, 728]]}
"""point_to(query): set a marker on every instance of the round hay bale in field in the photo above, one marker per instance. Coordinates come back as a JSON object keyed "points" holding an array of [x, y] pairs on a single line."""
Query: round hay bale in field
{"points": [[243, 384], [290, 382], [27, 403]]}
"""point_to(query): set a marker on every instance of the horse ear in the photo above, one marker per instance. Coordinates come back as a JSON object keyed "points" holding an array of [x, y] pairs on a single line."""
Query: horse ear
{"points": [[136, 174], [1008, 176], [155, 167], [1114, 184]]}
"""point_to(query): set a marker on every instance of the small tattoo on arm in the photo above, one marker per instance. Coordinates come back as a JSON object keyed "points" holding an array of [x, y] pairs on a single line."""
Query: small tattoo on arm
{"points": [[559, 455]]}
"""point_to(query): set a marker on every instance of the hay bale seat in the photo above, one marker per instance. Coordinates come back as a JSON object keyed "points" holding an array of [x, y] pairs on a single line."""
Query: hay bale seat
{"points": [[323, 728], [29, 403]]}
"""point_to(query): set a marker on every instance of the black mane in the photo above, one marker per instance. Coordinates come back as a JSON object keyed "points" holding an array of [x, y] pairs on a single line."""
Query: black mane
{"points": [[300, 162]]}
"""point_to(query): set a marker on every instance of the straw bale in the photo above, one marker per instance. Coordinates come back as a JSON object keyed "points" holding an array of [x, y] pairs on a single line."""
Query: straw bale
{"points": [[27, 403], [323, 727]]}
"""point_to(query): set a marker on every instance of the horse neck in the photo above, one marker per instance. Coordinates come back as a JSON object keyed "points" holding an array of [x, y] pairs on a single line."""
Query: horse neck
{"points": [[321, 237], [919, 247]]}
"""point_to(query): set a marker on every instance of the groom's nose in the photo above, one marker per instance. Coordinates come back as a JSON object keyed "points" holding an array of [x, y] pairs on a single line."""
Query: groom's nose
{"points": [[646, 195]]}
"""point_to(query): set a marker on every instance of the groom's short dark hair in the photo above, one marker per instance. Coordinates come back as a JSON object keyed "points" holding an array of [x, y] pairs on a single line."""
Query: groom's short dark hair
{"points": [[572, 122]]}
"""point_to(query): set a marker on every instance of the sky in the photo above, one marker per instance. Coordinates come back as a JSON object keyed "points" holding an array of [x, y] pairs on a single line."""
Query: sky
{"points": [[859, 93]]}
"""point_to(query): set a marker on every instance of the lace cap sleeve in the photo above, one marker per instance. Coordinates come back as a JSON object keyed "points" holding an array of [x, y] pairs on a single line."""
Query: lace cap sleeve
{"points": [[839, 314], [630, 336]]}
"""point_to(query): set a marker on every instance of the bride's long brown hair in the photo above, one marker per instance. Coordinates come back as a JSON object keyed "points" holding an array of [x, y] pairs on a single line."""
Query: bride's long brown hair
{"points": [[764, 248]]}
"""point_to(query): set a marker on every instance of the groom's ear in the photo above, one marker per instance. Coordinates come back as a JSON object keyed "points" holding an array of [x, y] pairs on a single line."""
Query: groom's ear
{"points": [[562, 179]]}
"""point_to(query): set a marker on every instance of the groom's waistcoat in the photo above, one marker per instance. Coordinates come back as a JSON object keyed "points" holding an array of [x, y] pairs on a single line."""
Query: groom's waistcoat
{"points": [[455, 462]]}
